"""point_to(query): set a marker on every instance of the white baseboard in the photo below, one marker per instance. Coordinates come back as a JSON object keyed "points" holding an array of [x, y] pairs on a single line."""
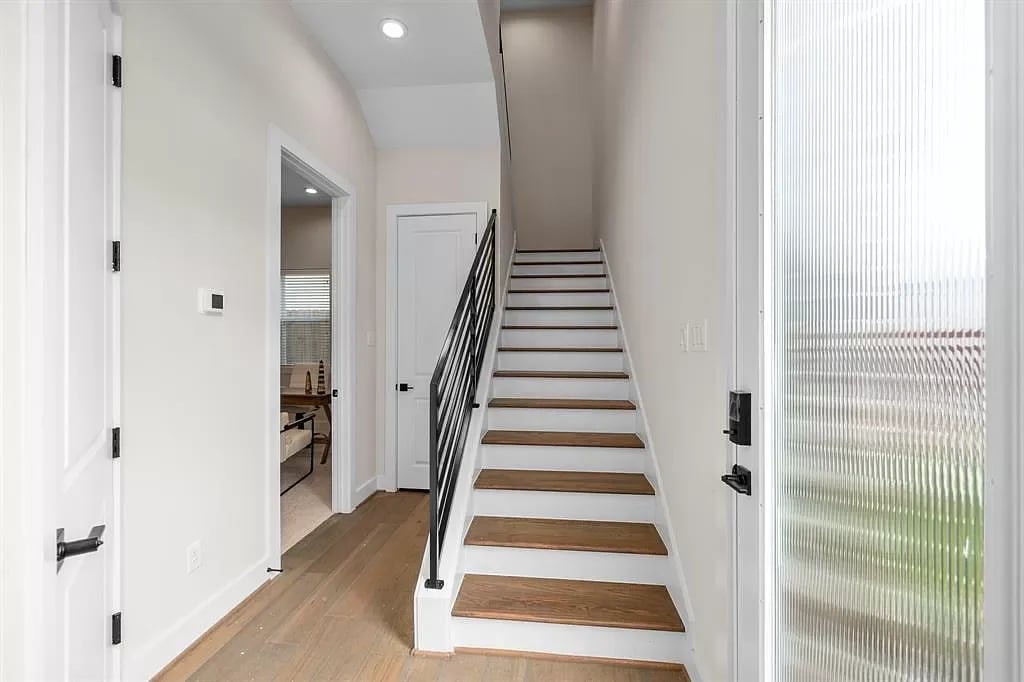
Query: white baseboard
{"points": [[143, 661], [362, 492], [686, 607]]}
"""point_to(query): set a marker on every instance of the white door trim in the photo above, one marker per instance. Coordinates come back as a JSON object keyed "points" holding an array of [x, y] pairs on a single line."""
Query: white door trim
{"points": [[281, 148], [1004, 475], [389, 458]]}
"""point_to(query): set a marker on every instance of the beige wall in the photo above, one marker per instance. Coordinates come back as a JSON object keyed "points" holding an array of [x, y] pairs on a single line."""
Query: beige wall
{"points": [[203, 84], [306, 238], [659, 198], [548, 72], [490, 17], [424, 175]]}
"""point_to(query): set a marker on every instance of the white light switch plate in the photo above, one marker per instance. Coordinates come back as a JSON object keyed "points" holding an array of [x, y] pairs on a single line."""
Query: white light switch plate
{"points": [[699, 336]]}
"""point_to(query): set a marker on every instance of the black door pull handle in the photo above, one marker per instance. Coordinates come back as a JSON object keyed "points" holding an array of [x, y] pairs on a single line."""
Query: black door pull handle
{"points": [[66, 549], [738, 480]]}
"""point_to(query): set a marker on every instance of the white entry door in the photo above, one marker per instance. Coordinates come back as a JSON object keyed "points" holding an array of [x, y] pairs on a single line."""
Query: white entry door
{"points": [[434, 256], [79, 330]]}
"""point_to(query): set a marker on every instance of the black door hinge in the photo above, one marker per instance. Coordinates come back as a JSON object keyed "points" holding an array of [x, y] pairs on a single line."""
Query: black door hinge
{"points": [[115, 628], [115, 71], [115, 256], [115, 442]]}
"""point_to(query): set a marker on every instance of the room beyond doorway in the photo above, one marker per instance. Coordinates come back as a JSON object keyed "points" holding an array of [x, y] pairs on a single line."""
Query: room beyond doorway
{"points": [[306, 354], [310, 346]]}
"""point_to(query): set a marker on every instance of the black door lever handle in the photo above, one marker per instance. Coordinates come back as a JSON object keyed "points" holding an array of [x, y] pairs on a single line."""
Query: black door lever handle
{"points": [[75, 547], [738, 480], [404, 387]]}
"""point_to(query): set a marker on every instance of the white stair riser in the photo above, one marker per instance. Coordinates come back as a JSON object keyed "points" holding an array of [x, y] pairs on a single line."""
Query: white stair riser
{"points": [[552, 298], [567, 318], [566, 564], [566, 269], [571, 640], [535, 504], [598, 389], [591, 421], [621, 460], [560, 338], [541, 283], [556, 256], [575, 362]]}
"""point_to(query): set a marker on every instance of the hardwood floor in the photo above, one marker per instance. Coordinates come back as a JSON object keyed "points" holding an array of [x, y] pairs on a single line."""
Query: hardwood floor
{"points": [[342, 610]]}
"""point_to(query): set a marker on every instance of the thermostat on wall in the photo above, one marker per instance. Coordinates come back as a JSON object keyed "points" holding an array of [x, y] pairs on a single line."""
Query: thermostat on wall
{"points": [[211, 301]]}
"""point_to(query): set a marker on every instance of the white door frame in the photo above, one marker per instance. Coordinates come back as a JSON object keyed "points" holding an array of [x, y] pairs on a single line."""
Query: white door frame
{"points": [[1004, 475], [747, 331], [1004, 508], [281, 148], [31, 122], [389, 478]]}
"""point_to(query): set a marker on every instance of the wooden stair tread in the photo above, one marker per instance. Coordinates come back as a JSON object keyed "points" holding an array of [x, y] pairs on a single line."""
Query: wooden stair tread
{"points": [[559, 291], [555, 439], [563, 262], [550, 374], [569, 602], [530, 349], [558, 307], [562, 404], [553, 276], [564, 481], [566, 534], [587, 327], [558, 250]]}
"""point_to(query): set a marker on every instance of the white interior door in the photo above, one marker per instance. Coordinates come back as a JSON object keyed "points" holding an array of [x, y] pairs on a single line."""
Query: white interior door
{"points": [[434, 256], [80, 334]]}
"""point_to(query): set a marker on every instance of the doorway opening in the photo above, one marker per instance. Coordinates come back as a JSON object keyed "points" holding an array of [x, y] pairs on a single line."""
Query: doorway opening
{"points": [[310, 344], [306, 353]]}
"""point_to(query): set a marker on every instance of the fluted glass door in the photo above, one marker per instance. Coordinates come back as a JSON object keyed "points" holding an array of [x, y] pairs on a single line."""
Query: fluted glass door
{"points": [[877, 363]]}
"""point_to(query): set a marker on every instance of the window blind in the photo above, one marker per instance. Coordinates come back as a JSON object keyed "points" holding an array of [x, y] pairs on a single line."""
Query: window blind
{"points": [[878, 212], [305, 317]]}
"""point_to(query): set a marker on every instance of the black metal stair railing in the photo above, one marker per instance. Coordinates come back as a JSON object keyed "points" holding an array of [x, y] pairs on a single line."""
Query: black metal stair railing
{"points": [[453, 389]]}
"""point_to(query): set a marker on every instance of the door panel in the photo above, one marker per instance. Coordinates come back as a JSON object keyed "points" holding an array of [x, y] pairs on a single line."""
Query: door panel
{"points": [[434, 256], [84, 333]]}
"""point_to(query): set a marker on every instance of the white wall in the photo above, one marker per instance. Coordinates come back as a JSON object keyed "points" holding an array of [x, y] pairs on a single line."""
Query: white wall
{"points": [[423, 175], [659, 202], [548, 71], [203, 83], [306, 238]]}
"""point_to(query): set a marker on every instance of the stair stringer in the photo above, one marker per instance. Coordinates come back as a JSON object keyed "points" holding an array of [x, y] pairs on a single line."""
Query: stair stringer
{"points": [[677, 588], [432, 609]]}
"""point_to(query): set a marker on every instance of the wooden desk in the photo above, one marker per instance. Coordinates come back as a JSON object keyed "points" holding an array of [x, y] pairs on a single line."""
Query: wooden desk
{"points": [[297, 397]]}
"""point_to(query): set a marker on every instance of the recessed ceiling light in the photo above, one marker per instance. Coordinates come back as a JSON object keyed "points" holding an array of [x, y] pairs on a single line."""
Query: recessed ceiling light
{"points": [[311, 190], [392, 28]]}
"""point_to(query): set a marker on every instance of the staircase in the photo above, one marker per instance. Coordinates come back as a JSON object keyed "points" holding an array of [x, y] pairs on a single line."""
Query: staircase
{"points": [[563, 555]]}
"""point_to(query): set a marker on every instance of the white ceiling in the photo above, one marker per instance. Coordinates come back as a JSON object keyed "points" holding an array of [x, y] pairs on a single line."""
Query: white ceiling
{"points": [[457, 115], [293, 190], [445, 43]]}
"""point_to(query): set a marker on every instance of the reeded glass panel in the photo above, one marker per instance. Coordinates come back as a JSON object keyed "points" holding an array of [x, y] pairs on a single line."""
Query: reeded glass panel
{"points": [[878, 211]]}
